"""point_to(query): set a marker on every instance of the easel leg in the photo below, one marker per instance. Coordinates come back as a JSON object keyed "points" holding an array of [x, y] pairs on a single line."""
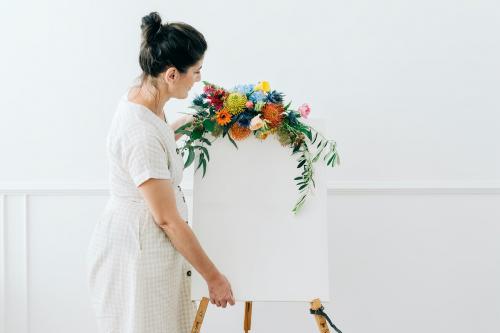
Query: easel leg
{"points": [[321, 321], [198, 320], [247, 324]]}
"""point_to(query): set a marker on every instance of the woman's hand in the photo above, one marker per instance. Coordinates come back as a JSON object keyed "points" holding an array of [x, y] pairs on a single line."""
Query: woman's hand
{"points": [[181, 122], [220, 291], [188, 118]]}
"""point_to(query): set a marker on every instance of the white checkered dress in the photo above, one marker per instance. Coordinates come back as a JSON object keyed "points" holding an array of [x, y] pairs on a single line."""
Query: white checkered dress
{"points": [[138, 281]]}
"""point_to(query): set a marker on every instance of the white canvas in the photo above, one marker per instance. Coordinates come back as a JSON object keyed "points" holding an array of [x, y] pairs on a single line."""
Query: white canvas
{"points": [[242, 215]]}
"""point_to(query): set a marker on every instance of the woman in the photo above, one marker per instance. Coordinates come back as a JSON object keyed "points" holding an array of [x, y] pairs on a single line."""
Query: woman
{"points": [[142, 249]]}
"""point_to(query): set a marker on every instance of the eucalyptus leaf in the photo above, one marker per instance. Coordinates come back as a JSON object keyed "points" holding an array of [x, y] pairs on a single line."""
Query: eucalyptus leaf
{"points": [[182, 131], [331, 159], [204, 167], [205, 140], [200, 161], [315, 137], [232, 141], [190, 158], [205, 151]]}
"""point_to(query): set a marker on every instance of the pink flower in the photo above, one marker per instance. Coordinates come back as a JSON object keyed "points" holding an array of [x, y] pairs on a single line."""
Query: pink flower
{"points": [[304, 110], [249, 105], [209, 90]]}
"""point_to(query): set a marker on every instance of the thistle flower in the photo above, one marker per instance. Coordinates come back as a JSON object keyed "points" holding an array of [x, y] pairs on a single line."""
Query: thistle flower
{"points": [[198, 101], [275, 97], [292, 118], [244, 119]]}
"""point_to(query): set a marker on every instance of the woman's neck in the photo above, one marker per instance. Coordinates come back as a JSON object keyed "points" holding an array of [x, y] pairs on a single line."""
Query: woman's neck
{"points": [[144, 95]]}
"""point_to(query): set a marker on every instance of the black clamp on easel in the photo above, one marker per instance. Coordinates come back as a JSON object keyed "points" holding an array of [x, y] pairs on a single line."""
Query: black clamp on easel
{"points": [[321, 317]]}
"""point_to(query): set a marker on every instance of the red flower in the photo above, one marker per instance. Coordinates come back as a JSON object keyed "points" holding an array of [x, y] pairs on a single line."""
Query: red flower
{"points": [[217, 98]]}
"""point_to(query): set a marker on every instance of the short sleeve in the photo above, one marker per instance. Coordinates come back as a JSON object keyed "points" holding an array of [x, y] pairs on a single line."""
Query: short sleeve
{"points": [[144, 155]]}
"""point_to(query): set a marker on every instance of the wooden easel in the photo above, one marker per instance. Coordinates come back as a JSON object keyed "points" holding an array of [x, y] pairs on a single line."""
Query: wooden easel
{"points": [[247, 323]]}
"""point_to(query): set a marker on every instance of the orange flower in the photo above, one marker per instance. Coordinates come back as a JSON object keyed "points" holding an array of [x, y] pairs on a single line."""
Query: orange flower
{"points": [[273, 113], [239, 132], [223, 117]]}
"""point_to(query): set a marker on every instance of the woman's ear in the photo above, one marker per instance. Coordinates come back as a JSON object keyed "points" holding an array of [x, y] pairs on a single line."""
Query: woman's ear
{"points": [[171, 75]]}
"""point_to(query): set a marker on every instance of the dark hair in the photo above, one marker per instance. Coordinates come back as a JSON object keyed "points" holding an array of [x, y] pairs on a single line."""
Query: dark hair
{"points": [[175, 44]]}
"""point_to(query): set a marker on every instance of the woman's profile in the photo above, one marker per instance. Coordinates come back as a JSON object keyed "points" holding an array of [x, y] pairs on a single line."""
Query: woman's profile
{"points": [[142, 249]]}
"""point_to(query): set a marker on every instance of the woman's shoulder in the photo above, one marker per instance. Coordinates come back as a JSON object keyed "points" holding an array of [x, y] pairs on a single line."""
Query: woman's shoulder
{"points": [[131, 115], [129, 122]]}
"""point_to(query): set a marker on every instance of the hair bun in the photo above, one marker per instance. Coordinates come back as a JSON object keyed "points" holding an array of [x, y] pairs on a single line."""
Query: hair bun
{"points": [[150, 26]]}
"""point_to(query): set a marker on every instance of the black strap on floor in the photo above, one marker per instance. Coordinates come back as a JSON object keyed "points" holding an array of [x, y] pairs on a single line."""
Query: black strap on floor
{"points": [[320, 312]]}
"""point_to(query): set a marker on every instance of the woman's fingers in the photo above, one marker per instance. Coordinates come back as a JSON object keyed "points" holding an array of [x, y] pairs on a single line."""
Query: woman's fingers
{"points": [[224, 301]]}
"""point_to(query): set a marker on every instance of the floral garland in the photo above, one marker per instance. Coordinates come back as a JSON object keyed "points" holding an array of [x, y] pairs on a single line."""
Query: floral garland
{"points": [[258, 110]]}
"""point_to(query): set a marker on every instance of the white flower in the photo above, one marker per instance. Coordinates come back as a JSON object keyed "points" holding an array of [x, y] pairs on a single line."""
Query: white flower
{"points": [[256, 123]]}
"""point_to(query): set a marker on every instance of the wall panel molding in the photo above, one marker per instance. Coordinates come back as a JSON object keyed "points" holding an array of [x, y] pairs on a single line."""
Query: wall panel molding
{"points": [[18, 219], [344, 187], [27, 259], [2, 262]]}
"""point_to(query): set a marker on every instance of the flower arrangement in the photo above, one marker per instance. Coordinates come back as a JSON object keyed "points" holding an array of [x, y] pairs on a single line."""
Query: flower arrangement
{"points": [[258, 110]]}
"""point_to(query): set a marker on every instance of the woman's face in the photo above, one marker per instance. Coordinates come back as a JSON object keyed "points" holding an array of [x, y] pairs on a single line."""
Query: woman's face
{"points": [[187, 80]]}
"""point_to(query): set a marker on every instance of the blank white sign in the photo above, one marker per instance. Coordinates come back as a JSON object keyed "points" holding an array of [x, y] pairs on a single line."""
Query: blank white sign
{"points": [[242, 215]]}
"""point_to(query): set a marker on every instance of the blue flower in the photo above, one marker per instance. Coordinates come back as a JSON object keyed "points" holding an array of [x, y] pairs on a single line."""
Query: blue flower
{"points": [[292, 118], [244, 119], [275, 97], [258, 96], [243, 88], [198, 101]]}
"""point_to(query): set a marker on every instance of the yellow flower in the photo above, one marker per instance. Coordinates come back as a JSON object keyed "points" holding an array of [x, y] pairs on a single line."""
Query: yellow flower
{"points": [[263, 85], [235, 103]]}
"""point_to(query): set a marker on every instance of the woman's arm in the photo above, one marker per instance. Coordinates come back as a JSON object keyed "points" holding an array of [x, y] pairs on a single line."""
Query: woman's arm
{"points": [[160, 198], [179, 122]]}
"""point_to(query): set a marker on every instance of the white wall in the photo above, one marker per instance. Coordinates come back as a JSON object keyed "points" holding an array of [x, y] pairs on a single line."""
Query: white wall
{"points": [[410, 89]]}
